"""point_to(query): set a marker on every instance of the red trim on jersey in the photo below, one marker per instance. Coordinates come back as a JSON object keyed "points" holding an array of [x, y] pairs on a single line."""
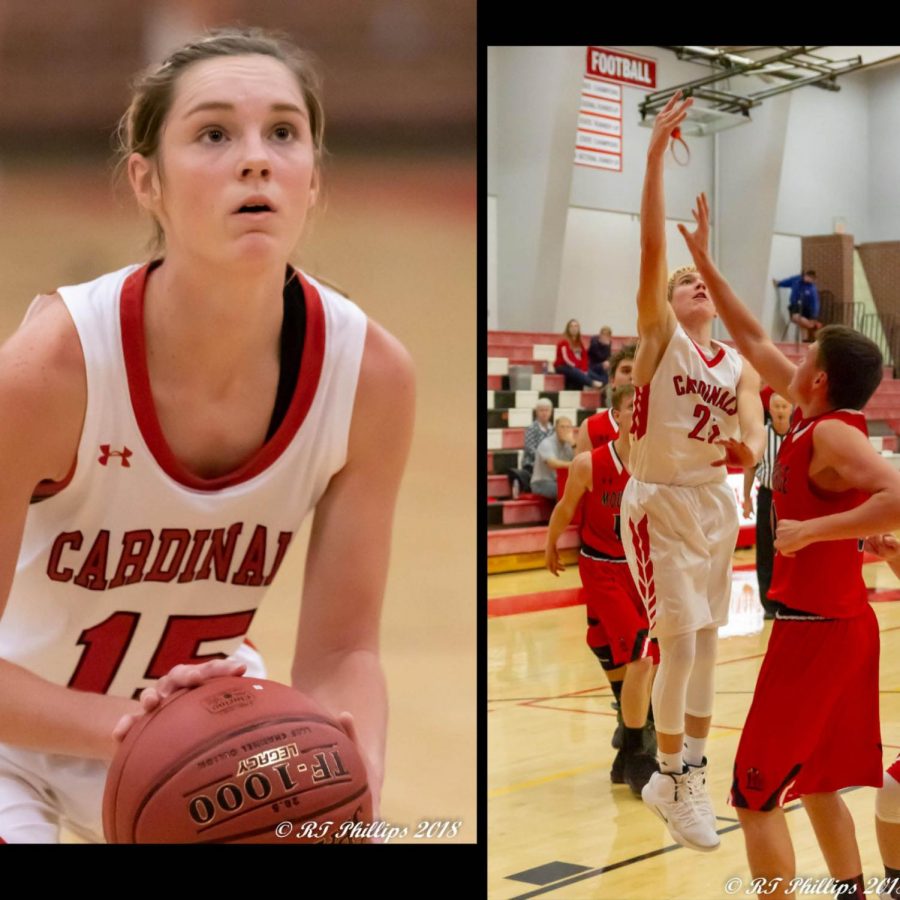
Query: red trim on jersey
{"points": [[641, 408], [717, 357], [640, 539], [134, 346]]}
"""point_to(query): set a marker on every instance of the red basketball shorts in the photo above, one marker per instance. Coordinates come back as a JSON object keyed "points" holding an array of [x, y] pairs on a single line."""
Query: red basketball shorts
{"points": [[617, 621], [813, 726]]}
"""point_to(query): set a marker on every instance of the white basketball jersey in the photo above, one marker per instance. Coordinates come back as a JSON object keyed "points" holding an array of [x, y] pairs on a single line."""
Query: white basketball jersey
{"points": [[137, 564], [690, 402]]}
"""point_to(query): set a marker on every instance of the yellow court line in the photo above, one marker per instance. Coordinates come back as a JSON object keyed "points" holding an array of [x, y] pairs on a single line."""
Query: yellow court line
{"points": [[715, 734], [545, 779]]}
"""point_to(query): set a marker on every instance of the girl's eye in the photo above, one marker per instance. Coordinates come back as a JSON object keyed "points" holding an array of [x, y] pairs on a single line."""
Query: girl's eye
{"points": [[214, 135], [284, 132]]}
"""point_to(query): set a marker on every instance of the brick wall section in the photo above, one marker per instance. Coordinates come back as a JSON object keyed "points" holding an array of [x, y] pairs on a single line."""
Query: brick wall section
{"points": [[881, 262], [831, 255]]}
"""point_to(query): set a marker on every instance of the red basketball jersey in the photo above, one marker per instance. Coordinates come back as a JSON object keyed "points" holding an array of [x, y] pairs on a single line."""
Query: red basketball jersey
{"points": [[824, 578], [600, 522], [602, 427]]}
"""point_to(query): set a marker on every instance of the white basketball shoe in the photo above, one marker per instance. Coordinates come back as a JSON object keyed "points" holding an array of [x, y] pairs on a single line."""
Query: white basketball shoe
{"points": [[697, 778], [671, 798]]}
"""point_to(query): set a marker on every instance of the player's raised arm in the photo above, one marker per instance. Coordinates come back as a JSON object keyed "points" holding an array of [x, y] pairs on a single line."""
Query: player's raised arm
{"points": [[749, 335], [844, 456], [655, 316], [750, 413], [579, 479]]}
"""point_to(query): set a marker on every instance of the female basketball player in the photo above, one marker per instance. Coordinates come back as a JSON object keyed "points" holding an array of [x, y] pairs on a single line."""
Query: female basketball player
{"points": [[177, 420]]}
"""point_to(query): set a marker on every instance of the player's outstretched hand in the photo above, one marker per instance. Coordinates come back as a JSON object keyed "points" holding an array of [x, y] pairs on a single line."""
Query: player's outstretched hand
{"points": [[790, 536], [552, 560], [884, 545], [179, 677], [668, 119], [737, 453], [698, 239]]}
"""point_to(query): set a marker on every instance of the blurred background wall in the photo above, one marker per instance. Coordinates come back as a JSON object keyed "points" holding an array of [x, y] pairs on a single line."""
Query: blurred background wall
{"points": [[397, 71]]}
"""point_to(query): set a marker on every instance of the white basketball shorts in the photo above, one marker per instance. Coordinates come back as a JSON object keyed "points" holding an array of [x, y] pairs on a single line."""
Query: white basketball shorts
{"points": [[679, 543]]}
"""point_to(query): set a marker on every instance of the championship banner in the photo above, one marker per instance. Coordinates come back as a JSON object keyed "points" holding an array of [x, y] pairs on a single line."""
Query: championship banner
{"points": [[598, 143]]}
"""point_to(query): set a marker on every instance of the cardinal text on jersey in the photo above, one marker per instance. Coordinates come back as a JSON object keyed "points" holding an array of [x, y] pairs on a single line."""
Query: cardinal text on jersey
{"points": [[714, 395], [174, 555]]}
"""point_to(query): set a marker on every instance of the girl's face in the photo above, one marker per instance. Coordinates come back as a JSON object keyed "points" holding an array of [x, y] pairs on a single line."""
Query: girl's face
{"points": [[573, 329], [235, 174]]}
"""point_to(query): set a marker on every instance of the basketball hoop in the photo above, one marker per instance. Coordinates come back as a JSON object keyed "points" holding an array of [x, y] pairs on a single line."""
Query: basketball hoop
{"points": [[678, 139]]}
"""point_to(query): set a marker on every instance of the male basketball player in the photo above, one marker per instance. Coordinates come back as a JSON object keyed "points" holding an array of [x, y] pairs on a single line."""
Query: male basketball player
{"points": [[595, 431], [812, 728], [887, 800], [617, 621], [694, 399], [601, 426]]}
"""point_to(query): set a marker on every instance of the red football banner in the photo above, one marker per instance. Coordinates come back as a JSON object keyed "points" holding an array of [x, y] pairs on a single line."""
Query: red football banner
{"points": [[625, 68]]}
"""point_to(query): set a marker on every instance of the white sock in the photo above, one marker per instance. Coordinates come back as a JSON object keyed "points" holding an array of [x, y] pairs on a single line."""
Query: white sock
{"points": [[673, 763], [694, 748]]}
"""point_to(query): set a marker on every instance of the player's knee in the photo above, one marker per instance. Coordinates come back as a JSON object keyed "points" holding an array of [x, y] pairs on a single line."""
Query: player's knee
{"points": [[887, 801], [640, 667]]}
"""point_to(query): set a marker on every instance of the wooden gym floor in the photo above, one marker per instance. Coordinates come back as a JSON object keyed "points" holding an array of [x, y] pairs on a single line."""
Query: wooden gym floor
{"points": [[398, 235], [558, 827]]}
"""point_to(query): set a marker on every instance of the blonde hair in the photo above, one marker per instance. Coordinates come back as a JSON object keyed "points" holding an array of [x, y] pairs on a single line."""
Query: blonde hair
{"points": [[140, 127], [674, 276]]}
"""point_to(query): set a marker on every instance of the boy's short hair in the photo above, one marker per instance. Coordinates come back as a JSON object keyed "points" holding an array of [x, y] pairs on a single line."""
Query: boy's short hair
{"points": [[853, 363], [619, 395], [674, 276], [625, 352]]}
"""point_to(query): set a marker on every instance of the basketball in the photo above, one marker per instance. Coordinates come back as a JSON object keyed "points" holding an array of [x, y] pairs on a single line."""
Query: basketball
{"points": [[237, 760]]}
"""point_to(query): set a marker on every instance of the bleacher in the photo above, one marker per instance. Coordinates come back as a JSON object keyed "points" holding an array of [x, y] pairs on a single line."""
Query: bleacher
{"points": [[520, 370]]}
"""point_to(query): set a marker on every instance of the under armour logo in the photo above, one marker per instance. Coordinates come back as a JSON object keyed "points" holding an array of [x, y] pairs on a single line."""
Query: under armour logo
{"points": [[106, 453], [754, 780]]}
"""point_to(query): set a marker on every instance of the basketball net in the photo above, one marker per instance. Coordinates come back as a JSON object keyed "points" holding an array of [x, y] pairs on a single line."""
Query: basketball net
{"points": [[685, 154]]}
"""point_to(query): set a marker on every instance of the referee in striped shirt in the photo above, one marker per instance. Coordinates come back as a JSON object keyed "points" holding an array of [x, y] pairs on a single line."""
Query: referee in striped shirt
{"points": [[780, 411]]}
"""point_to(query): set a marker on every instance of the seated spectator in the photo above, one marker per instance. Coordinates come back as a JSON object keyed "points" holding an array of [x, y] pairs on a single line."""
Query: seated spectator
{"points": [[572, 360], [554, 452], [803, 305], [540, 428], [599, 352], [602, 427]]}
